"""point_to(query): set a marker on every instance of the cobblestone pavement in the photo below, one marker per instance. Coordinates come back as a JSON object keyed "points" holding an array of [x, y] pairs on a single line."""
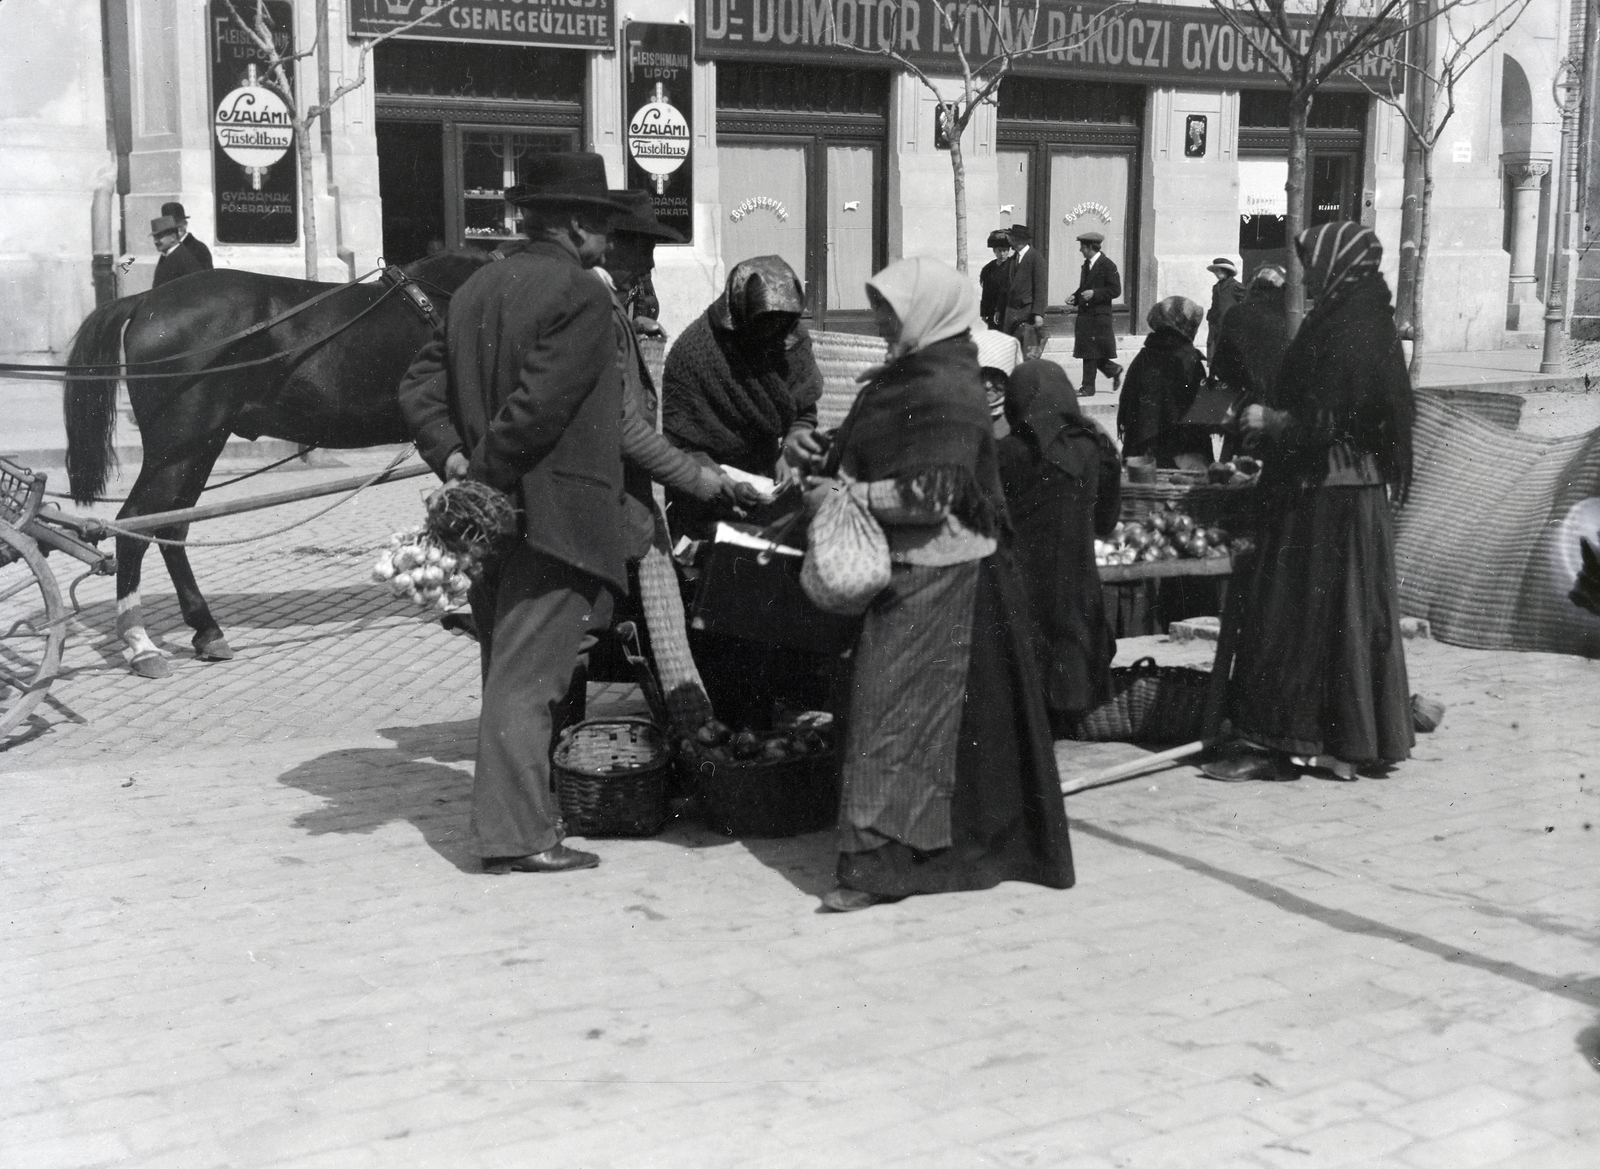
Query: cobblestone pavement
{"points": [[243, 929]]}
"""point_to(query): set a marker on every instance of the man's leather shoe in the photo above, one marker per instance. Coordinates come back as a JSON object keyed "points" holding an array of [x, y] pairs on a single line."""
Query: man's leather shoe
{"points": [[559, 859], [1116, 380], [840, 899], [1089, 393]]}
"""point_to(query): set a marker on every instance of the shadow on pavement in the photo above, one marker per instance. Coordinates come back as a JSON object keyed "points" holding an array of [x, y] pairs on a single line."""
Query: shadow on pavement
{"points": [[368, 787], [274, 609], [806, 862], [1588, 1043]]}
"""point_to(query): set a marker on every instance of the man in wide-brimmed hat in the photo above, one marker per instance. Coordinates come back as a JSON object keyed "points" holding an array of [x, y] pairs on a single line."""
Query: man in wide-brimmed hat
{"points": [[1225, 294], [186, 239], [995, 279], [1027, 292], [520, 389]]}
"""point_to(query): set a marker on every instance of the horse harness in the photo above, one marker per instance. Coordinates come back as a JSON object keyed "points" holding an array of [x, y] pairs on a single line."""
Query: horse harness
{"points": [[394, 277]]}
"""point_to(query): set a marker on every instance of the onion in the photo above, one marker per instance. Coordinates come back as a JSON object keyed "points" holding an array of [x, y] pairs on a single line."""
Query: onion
{"points": [[433, 553], [447, 561], [383, 570], [400, 584], [432, 574]]}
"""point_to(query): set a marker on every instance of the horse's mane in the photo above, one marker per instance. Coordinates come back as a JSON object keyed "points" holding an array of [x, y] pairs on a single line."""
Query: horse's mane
{"points": [[447, 269]]}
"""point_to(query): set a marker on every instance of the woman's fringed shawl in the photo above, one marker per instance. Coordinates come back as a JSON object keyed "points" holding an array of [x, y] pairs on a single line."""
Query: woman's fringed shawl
{"points": [[923, 421], [1043, 409], [1344, 381]]}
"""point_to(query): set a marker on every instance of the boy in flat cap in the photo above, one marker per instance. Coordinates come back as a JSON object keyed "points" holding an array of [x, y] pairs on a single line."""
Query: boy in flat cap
{"points": [[1094, 340]]}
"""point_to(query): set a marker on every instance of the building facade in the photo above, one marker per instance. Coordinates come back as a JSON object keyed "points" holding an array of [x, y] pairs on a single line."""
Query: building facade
{"points": [[760, 125]]}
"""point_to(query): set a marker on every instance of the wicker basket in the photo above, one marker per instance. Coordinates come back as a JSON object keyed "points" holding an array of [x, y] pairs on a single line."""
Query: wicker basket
{"points": [[1149, 704], [611, 777], [1231, 507], [782, 797], [21, 492]]}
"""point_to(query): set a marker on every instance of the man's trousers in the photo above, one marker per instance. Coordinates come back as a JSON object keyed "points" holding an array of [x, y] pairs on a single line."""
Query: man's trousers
{"points": [[535, 615]]}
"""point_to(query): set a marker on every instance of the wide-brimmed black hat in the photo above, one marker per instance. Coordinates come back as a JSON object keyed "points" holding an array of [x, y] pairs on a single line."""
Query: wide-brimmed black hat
{"points": [[641, 218], [998, 239], [175, 210], [1020, 233], [564, 180]]}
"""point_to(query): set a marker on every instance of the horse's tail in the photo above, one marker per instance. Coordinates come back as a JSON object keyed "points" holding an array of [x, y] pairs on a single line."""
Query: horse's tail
{"points": [[90, 405]]}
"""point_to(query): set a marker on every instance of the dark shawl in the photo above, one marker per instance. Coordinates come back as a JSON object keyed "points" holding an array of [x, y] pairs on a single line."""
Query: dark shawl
{"points": [[1157, 391], [1343, 382], [1251, 343], [728, 398], [1062, 483], [923, 420]]}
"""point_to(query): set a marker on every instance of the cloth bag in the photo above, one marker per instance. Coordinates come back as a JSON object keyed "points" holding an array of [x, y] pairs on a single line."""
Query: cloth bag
{"points": [[847, 555]]}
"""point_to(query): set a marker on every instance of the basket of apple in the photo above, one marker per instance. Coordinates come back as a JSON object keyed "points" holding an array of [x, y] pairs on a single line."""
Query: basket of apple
{"points": [[779, 783]]}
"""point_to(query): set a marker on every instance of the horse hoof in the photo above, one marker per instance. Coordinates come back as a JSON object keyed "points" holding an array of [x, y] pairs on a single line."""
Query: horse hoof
{"points": [[150, 664], [212, 649]]}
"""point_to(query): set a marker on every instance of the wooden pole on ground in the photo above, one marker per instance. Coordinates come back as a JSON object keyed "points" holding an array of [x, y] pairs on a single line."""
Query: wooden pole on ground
{"points": [[1136, 767]]}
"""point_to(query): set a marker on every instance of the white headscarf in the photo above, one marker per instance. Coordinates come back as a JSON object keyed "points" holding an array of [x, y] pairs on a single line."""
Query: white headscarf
{"points": [[933, 300]]}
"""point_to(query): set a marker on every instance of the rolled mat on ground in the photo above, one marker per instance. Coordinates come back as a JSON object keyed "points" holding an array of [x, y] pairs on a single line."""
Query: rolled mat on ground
{"points": [[1487, 547]]}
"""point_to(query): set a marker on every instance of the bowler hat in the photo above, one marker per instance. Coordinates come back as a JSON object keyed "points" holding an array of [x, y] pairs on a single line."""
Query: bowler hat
{"points": [[1020, 233], [1222, 265], [564, 180], [1092, 237], [174, 210], [641, 218], [998, 239], [163, 225]]}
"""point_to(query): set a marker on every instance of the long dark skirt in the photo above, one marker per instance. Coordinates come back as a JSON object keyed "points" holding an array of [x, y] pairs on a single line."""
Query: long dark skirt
{"points": [[1319, 667], [1006, 818]]}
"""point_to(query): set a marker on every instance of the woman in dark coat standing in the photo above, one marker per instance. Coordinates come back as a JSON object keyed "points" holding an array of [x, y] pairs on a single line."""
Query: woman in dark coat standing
{"points": [[1062, 480], [1318, 672], [1251, 343], [949, 778], [1160, 387]]}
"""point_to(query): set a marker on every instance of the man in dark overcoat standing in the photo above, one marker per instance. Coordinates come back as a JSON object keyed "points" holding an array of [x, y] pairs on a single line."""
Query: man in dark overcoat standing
{"points": [[186, 239], [1027, 293], [520, 388], [1094, 339], [1226, 293], [175, 262]]}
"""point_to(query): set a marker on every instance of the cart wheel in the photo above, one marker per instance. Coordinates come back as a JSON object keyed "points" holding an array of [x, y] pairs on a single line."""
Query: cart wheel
{"points": [[33, 628]]}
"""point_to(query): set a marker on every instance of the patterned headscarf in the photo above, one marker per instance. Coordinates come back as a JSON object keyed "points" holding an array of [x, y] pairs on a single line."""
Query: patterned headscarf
{"points": [[1335, 256], [1177, 313], [763, 284], [997, 350]]}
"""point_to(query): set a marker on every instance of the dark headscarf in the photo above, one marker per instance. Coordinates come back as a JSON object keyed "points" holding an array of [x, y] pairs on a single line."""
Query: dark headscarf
{"points": [[1042, 407], [764, 284], [1178, 313], [729, 398], [1336, 255]]}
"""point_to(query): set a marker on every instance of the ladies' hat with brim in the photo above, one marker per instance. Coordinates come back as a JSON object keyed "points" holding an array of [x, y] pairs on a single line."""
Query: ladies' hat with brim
{"points": [[999, 239], [163, 225], [1222, 266], [641, 218], [564, 180]]}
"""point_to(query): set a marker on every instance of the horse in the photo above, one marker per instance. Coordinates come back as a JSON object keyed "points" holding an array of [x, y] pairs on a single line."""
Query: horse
{"points": [[330, 380]]}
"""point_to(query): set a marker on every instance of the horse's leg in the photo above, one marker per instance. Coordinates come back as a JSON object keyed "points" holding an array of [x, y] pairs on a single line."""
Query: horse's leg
{"points": [[164, 485]]}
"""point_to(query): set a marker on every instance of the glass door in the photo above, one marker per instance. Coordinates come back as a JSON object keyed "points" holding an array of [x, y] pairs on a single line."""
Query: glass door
{"points": [[1016, 174], [1088, 192], [490, 160], [852, 212], [764, 202]]}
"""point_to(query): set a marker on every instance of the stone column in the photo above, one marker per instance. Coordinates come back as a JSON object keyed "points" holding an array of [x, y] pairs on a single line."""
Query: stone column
{"points": [[1524, 310]]}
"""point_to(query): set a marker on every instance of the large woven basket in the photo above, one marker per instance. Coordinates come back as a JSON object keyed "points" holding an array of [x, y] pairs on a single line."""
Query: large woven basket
{"points": [[1149, 704], [768, 797], [611, 777]]}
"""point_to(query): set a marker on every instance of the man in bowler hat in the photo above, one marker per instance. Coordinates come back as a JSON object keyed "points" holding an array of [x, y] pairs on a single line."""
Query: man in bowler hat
{"points": [[1027, 293], [175, 261], [186, 239], [1226, 293], [520, 389], [1094, 340], [995, 279]]}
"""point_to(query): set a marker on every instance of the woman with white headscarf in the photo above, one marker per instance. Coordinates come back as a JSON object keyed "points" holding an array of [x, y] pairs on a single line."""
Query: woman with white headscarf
{"points": [[949, 776]]}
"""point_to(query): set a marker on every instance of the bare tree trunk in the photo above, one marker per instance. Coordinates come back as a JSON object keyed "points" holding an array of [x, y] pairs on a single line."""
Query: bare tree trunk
{"points": [[1420, 277], [1417, 110], [308, 195], [1299, 111], [958, 165]]}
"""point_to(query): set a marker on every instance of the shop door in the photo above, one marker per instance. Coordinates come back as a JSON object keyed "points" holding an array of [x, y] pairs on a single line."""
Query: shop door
{"points": [[1087, 192], [764, 199], [1332, 177], [1332, 187], [852, 212], [1016, 174]]}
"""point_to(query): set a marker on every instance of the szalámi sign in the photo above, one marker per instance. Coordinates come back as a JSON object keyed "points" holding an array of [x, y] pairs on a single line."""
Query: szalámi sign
{"points": [[589, 24], [253, 163], [1156, 43], [656, 87]]}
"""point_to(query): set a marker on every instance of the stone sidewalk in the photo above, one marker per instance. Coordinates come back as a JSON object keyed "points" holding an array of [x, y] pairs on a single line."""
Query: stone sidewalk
{"points": [[244, 929]]}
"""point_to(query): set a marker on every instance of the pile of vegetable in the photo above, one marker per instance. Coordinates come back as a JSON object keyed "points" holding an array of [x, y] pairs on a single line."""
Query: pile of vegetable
{"points": [[808, 734], [1167, 533], [417, 566]]}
